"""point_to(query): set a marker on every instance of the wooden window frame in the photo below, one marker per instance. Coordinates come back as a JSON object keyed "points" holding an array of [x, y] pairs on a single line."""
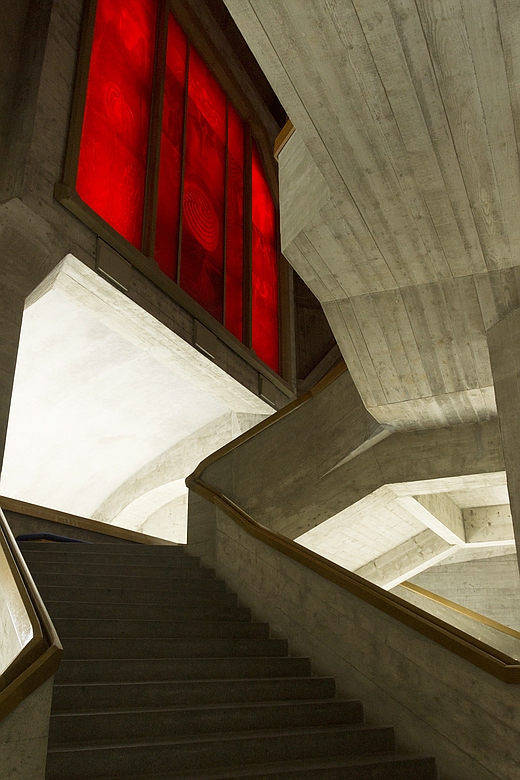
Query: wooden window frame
{"points": [[65, 190]]}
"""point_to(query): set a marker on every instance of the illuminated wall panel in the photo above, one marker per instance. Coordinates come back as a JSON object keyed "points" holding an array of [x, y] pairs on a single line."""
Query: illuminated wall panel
{"points": [[114, 144], [210, 217], [202, 253]]}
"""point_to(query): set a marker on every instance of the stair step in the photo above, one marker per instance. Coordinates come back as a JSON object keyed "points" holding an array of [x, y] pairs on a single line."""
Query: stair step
{"points": [[147, 629], [108, 610], [150, 669], [126, 595], [223, 749], [164, 677], [106, 548], [141, 583], [382, 767], [172, 722], [159, 574], [113, 558], [75, 697], [196, 647]]}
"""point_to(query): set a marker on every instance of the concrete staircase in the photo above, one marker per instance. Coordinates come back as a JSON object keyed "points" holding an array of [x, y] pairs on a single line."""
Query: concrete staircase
{"points": [[164, 677]]}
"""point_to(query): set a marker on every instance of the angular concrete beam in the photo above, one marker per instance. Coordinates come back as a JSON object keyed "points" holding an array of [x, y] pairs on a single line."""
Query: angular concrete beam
{"points": [[438, 513], [408, 559], [488, 524]]}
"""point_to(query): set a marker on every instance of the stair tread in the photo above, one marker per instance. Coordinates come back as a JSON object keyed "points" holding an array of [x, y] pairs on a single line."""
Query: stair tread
{"points": [[200, 659], [40, 574], [154, 620], [220, 736], [252, 770], [204, 707], [133, 548], [162, 681]]}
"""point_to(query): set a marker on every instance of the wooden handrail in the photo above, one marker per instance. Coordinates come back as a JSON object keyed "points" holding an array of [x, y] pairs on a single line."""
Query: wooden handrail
{"points": [[40, 657], [469, 648], [428, 594], [283, 136], [75, 521]]}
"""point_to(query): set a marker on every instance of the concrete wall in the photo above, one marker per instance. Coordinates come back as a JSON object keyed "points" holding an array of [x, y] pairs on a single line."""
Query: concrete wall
{"points": [[492, 637], [318, 460], [24, 735], [490, 586], [439, 704]]}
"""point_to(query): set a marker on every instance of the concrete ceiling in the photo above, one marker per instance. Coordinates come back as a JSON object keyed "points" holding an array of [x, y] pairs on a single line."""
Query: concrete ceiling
{"points": [[400, 190], [402, 529]]}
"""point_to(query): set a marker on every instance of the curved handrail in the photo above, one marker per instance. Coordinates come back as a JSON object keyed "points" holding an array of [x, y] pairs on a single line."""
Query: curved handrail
{"points": [[469, 648], [40, 657]]}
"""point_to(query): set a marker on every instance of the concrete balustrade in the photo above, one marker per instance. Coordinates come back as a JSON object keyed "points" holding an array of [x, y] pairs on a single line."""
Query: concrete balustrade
{"points": [[438, 702]]}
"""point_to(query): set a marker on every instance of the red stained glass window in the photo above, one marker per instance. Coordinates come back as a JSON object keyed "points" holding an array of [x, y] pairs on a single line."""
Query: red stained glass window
{"points": [[202, 252], [170, 170], [265, 267], [207, 193], [114, 144], [235, 224]]}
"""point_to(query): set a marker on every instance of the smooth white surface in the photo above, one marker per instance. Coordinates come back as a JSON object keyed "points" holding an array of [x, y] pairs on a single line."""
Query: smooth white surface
{"points": [[15, 627], [89, 409], [146, 505]]}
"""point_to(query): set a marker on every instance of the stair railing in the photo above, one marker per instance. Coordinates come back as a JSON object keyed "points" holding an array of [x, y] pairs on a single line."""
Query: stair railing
{"points": [[469, 648], [37, 657], [461, 610]]}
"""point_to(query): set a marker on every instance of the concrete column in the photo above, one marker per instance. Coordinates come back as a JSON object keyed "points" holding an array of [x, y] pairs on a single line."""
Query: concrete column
{"points": [[29, 250], [504, 352]]}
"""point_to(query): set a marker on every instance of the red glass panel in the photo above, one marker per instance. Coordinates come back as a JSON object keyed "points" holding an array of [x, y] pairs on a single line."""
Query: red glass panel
{"points": [[235, 223], [265, 268], [168, 203], [202, 255], [112, 161]]}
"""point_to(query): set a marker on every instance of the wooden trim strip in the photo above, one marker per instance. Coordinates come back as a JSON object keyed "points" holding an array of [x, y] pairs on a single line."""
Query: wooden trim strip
{"points": [[55, 516], [283, 136], [462, 610], [469, 648]]}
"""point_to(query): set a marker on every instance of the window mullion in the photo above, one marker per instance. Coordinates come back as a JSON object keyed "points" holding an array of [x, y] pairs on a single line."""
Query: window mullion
{"points": [[247, 337], [225, 231], [154, 144], [183, 160]]}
